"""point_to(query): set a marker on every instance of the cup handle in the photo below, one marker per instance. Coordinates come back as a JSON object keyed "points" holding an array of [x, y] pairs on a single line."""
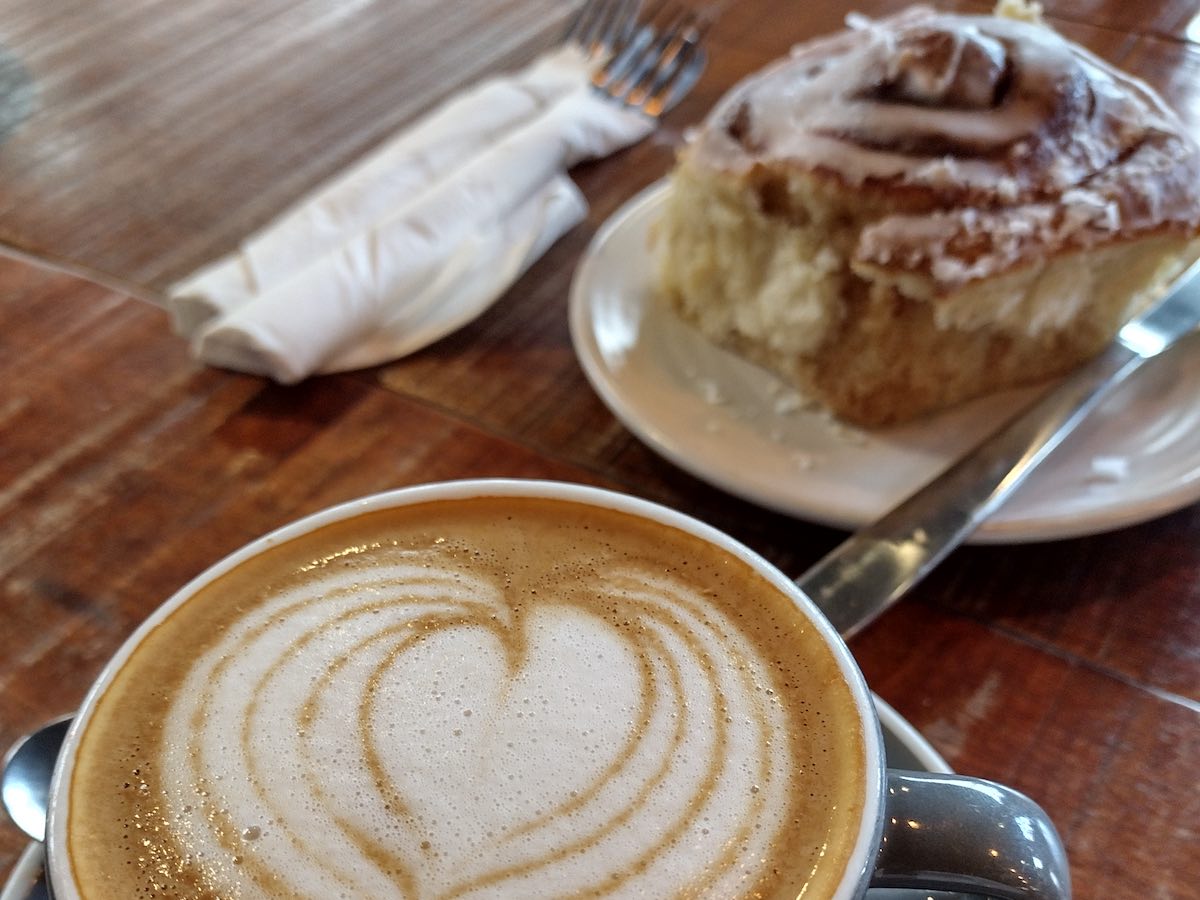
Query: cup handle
{"points": [[952, 833]]}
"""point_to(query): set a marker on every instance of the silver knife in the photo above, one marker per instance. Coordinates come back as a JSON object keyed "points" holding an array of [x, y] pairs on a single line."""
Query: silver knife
{"points": [[874, 568]]}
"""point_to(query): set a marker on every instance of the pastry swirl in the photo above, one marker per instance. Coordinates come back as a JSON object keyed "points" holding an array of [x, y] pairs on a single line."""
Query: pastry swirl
{"points": [[926, 208], [992, 138]]}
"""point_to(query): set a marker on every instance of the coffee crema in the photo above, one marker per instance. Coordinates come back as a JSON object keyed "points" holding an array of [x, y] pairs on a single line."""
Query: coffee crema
{"points": [[474, 698]]}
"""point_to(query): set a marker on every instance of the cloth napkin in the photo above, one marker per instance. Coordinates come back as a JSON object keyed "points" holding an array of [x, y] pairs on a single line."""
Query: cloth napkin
{"points": [[415, 240]]}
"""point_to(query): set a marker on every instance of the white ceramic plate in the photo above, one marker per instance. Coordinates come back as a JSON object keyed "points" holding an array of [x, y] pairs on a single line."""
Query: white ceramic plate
{"points": [[904, 746], [737, 427], [25, 881]]}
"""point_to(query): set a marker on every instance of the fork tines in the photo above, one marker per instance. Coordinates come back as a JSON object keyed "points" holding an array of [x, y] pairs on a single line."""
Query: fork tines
{"points": [[659, 62]]}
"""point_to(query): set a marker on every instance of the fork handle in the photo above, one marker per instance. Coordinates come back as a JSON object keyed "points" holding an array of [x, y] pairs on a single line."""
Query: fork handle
{"points": [[871, 570]]}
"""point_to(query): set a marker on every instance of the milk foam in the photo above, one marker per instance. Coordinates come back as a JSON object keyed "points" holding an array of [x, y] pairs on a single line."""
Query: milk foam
{"points": [[385, 728], [528, 707]]}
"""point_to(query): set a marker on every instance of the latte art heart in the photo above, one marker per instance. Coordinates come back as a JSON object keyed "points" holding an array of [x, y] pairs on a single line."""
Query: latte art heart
{"points": [[457, 712]]}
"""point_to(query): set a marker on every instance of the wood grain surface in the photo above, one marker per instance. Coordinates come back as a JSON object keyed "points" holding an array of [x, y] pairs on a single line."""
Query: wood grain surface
{"points": [[138, 139]]}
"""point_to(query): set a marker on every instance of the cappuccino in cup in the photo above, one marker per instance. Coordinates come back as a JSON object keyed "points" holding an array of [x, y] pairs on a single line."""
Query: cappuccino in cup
{"points": [[471, 692], [499, 689]]}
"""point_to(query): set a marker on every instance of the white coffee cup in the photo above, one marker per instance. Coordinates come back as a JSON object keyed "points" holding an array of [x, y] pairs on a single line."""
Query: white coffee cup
{"points": [[932, 831]]}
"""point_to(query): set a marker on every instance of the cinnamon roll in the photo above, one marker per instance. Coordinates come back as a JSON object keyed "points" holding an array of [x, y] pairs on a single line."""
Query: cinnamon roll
{"points": [[926, 208]]}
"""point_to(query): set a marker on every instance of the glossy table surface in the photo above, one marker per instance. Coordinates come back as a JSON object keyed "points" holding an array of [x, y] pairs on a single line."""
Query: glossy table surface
{"points": [[140, 139]]}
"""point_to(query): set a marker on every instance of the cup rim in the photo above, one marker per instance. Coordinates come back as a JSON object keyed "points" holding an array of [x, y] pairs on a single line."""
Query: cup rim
{"points": [[858, 867]]}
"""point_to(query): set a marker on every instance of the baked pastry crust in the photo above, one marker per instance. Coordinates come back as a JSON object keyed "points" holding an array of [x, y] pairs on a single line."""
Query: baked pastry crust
{"points": [[926, 208]]}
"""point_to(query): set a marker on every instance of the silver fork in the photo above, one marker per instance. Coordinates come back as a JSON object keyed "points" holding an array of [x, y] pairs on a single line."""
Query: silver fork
{"points": [[648, 61]]}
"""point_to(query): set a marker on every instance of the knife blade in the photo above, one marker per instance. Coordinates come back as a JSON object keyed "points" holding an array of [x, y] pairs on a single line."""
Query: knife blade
{"points": [[859, 579]]}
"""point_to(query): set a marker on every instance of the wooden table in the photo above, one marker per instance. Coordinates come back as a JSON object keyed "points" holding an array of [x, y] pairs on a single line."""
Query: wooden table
{"points": [[143, 139]]}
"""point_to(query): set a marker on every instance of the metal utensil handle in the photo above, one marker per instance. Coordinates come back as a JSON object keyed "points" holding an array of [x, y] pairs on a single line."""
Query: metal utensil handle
{"points": [[871, 570]]}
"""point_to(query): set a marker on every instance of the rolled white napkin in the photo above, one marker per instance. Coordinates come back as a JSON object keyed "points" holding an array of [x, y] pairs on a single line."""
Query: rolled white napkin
{"points": [[414, 241]]}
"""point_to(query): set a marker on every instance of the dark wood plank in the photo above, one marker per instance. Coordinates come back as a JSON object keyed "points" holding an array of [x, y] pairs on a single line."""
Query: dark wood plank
{"points": [[159, 133], [1113, 766], [1092, 600], [1069, 670]]}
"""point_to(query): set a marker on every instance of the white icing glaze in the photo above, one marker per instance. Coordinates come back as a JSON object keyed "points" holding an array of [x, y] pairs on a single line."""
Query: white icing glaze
{"points": [[1007, 141]]}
